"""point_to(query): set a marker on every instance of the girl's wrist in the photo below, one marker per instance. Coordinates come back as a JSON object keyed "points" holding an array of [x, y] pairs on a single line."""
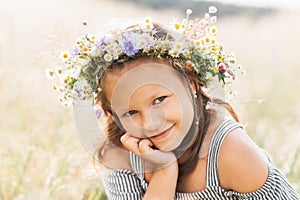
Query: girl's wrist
{"points": [[171, 169], [162, 184]]}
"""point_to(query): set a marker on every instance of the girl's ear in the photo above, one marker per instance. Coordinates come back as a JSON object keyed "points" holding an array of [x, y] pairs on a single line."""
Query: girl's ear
{"points": [[117, 120]]}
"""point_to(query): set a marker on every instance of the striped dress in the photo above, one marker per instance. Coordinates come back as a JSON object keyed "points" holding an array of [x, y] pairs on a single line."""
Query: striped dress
{"points": [[123, 184]]}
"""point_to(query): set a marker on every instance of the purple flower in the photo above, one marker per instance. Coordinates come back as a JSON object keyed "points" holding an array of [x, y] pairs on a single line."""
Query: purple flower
{"points": [[102, 41], [99, 113], [77, 92], [98, 46], [129, 48], [74, 53], [127, 45]]}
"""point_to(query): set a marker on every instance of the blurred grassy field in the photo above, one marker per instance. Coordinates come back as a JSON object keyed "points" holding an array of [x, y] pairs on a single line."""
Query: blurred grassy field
{"points": [[41, 156]]}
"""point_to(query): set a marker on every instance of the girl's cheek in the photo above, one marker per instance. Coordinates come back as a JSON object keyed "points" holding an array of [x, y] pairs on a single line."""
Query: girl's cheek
{"points": [[131, 127], [173, 110]]}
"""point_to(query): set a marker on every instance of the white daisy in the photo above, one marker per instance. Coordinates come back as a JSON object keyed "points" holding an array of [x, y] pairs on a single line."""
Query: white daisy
{"points": [[54, 87], [67, 78], [58, 70], [137, 25], [142, 43], [92, 37], [176, 24], [114, 51], [118, 51], [204, 48], [212, 9], [207, 39], [213, 30], [111, 50], [80, 40], [178, 45], [198, 43], [184, 25], [108, 57], [65, 55], [147, 27], [148, 20], [66, 101], [189, 12], [174, 53], [50, 74], [187, 53], [213, 41]]}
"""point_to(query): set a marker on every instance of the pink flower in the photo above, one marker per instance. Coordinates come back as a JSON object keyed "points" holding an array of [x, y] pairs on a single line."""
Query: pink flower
{"points": [[222, 68]]}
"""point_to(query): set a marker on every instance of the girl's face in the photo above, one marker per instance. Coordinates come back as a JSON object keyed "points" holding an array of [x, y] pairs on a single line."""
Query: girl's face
{"points": [[152, 101]]}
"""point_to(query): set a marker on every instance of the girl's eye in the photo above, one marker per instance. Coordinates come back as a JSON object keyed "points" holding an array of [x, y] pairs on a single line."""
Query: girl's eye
{"points": [[159, 99], [129, 113]]}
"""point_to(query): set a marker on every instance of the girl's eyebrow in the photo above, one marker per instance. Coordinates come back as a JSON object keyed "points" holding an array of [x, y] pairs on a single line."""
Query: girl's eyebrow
{"points": [[122, 110], [160, 93], [155, 95]]}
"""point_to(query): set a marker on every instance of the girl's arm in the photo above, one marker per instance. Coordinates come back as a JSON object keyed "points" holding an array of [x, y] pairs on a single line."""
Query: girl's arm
{"points": [[164, 179], [163, 183], [242, 167], [244, 170]]}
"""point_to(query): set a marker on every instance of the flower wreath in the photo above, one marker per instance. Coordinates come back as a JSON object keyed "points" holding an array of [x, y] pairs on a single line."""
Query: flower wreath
{"points": [[195, 42]]}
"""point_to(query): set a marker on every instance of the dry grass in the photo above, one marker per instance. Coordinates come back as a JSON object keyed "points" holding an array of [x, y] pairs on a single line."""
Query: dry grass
{"points": [[41, 156]]}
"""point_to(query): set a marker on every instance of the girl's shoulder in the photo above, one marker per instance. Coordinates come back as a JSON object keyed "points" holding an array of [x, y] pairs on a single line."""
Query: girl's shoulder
{"points": [[241, 165], [114, 157]]}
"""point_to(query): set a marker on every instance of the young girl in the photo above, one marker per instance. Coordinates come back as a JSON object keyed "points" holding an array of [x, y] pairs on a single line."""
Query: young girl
{"points": [[167, 138]]}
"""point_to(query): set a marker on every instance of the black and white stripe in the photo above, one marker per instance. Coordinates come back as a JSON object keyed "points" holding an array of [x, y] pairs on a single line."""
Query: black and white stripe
{"points": [[123, 184]]}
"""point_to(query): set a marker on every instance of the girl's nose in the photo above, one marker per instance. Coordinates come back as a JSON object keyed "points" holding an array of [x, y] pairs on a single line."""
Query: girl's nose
{"points": [[152, 122]]}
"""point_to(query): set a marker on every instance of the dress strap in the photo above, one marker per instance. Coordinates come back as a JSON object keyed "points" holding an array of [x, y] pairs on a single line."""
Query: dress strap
{"points": [[137, 165], [212, 178]]}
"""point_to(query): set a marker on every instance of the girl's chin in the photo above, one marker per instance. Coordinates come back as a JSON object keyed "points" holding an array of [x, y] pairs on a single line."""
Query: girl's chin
{"points": [[178, 146], [167, 147]]}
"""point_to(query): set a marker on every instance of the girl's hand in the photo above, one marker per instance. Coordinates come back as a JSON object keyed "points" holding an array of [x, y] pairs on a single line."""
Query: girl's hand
{"points": [[144, 149], [163, 182]]}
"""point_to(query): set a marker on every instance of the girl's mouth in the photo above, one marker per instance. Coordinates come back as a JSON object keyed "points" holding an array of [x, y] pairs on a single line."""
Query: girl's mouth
{"points": [[163, 134]]}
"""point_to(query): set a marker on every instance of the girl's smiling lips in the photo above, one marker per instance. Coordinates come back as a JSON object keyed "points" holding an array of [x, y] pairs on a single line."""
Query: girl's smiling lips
{"points": [[162, 134]]}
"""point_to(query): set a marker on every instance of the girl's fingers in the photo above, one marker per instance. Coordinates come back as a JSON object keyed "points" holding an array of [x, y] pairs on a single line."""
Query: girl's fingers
{"points": [[157, 158], [130, 143], [136, 145], [145, 146]]}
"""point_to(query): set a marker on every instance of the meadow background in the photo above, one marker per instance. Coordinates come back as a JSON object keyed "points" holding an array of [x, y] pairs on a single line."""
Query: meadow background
{"points": [[41, 156]]}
